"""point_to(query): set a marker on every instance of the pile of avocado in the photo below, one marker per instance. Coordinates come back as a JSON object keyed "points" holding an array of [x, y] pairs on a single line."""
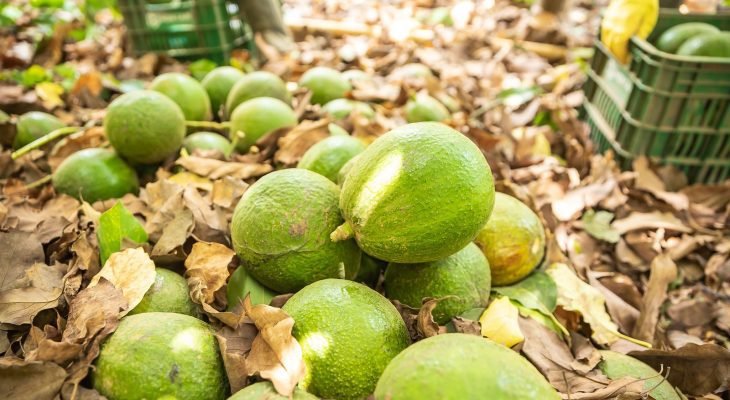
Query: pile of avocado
{"points": [[696, 39]]}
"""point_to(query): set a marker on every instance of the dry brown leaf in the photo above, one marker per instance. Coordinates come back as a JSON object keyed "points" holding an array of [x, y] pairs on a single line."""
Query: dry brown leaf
{"points": [[694, 369], [131, 271], [93, 315], [647, 180], [175, 233], [275, 353], [227, 191], [217, 169], [20, 251], [38, 289], [92, 137], [298, 140], [624, 314], [23, 380], [554, 359], [575, 201], [207, 270], [211, 222], [663, 272], [425, 324], [235, 344], [650, 220]]}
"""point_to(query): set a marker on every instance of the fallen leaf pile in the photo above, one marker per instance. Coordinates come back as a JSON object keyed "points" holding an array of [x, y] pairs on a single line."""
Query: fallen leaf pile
{"points": [[635, 258]]}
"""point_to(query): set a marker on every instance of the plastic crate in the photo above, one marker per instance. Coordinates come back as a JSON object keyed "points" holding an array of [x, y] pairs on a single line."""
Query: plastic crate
{"points": [[185, 29], [672, 108]]}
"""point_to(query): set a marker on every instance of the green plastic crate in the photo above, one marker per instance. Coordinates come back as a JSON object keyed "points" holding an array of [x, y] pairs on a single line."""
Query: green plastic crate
{"points": [[185, 29], [672, 108]]}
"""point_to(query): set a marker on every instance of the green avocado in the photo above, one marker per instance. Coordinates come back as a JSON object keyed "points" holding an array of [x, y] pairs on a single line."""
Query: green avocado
{"points": [[462, 279], [207, 141], [328, 156], [157, 354], [326, 84], [188, 93], [341, 108], [169, 293], [616, 366], [348, 333], [342, 173], [33, 125], [370, 269], [95, 174], [265, 391], [425, 108], [707, 45], [280, 230], [418, 193], [259, 116], [672, 39], [457, 366], [144, 126], [218, 83], [257, 84]]}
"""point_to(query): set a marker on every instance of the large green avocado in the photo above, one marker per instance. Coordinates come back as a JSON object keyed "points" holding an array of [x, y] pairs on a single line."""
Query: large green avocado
{"points": [[341, 108], [707, 45], [265, 391], [462, 279], [95, 174], [218, 83], [328, 156], [672, 39], [456, 366], [207, 141], [259, 116], [144, 126], [326, 84], [152, 355], [188, 93], [513, 240], [616, 366], [425, 108], [348, 333], [169, 293], [257, 84], [33, 125], [418, 193], [280, 230]]}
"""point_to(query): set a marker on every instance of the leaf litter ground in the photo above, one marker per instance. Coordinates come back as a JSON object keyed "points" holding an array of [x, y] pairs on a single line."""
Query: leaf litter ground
{"points": [[633, 257]]}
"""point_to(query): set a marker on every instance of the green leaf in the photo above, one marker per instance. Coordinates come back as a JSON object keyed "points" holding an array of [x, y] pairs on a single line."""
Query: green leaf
{"points": [[242, 284], [598, 225], [199, 69], [336, 130], [537, 292], [515, 97], [34, 75], [539, 317], [115, 225], [131, 85]]}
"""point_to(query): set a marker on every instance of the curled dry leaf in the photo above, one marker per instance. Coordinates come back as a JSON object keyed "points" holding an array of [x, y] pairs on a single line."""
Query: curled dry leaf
{"points": [[30, 380], [275, 353], [695, 369], [38, 289], [131, 271], [651, 220], [175, 233], [576, 295], [217, 169], [425, 324], [235, 344], [299, 139], [566, 208], [553, 357], [207, 270], [663, 272]]}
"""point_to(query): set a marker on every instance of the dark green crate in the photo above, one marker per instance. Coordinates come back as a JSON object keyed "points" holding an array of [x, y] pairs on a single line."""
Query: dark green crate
{"points": [[675, 109], [185, 29]]}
